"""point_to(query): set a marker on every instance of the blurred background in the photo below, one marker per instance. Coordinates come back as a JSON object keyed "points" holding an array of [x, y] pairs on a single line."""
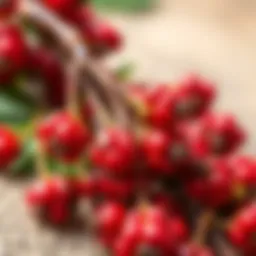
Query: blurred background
{"points": [[164, 40]]}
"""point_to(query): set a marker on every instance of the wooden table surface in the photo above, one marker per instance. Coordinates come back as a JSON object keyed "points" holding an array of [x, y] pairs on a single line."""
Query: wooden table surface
{"points": [[216, 38]]}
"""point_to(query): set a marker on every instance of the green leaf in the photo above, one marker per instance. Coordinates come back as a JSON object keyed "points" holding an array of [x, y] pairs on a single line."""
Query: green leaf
{"points": [[124, 72], [25, 165], [124, 5], [15, 107]]}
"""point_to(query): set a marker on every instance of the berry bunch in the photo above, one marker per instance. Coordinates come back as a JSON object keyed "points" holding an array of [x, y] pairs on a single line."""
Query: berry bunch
{"points": [[161, 169]]}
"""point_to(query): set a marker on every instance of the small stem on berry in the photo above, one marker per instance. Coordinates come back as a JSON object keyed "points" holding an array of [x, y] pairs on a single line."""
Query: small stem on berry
{"points": [[41, 168], [72, 88], [204, 222]]}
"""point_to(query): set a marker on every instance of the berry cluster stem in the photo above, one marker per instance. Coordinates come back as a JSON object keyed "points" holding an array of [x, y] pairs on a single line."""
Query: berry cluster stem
{"points": [[102, 82], [73, 92], [203, 226]]}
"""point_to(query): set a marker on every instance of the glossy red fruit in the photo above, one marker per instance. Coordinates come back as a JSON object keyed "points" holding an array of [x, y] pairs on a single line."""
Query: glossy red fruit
{"points": [[109, 219], [216, 134], [212, 184], [82, 16], [115, 189], [193, 97], [9, 147], [63, 136], [86, 187], [194, 250], [45, 192], [146, 232], [244, 171], [59, 213], [51, 199], [12, 52], [107, 36], [179, 232], [129, 238], [242, 229], [7, 8], [114, 150], [160, 107], [154, 103], [47, 65], [62, 7], [162, 152]]}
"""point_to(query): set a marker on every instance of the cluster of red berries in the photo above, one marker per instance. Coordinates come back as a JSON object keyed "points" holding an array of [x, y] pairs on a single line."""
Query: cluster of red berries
{"points": [[147, 183], [137, 173], [18, 56], [99, 35]]}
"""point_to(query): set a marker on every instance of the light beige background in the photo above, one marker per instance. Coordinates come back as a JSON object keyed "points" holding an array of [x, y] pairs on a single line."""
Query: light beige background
{"points": [[216, 38]]}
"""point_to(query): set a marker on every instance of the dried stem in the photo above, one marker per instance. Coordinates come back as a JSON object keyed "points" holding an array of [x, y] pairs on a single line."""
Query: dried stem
{"points": [[203, 226], [72, 88], [69, 38], [41, 167]]}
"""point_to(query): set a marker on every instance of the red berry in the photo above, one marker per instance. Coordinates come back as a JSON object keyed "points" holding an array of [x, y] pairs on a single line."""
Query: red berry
{"points": [[82, 16], [244, 171], [213, 183], [216, 134], [7, 8], [193, 97], [52, 199], [107, 36], [48, 66], [62, 7], [9, 147], [114, 150], [64, 136], [146, 232], [154, 103], [161, 108], [114, 188], [12, 52], [162, 152], [86, 187], [243, 229], [179, 232], [126, 243], [46, 192], [58, 213], [109, 217]]}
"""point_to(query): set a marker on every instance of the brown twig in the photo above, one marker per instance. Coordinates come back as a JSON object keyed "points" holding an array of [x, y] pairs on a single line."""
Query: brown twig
{"points": [[203, 226], [72, 88], [70, 39], [41, 168]]}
